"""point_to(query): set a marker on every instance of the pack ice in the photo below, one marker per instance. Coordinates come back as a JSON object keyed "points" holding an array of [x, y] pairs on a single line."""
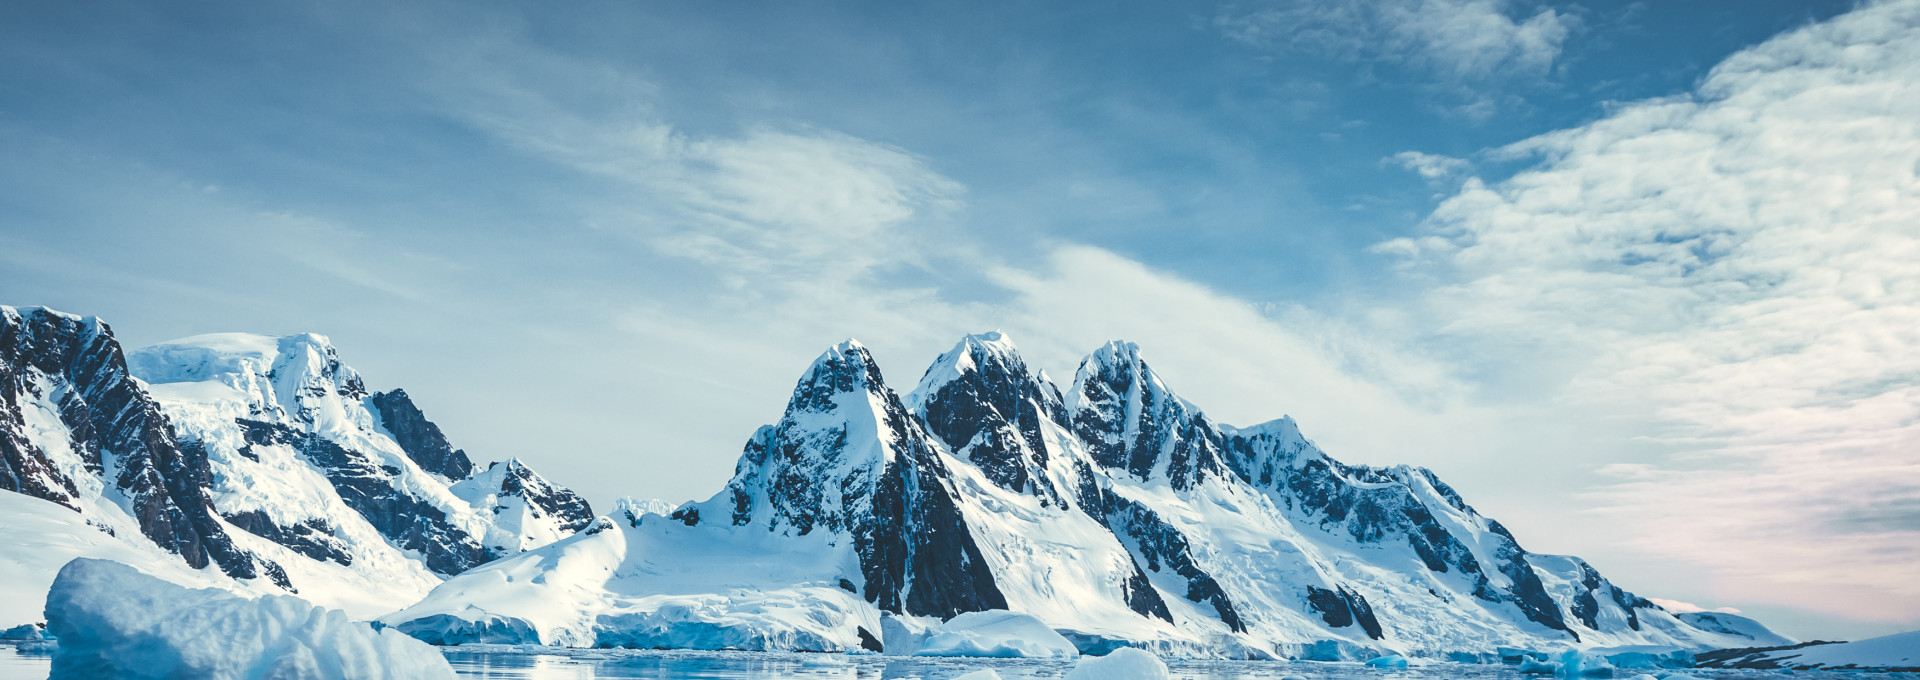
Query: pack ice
{"points": [[1116, 514], [115, 622]]}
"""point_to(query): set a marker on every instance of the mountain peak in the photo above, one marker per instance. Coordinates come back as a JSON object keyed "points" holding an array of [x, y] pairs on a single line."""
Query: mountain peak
{"points": [[969, 355], [1116, 352], [844, 368]]}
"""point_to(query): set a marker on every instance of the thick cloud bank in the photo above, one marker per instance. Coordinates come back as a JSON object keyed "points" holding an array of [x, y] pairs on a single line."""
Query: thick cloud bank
{"points": [[1743, 258]]}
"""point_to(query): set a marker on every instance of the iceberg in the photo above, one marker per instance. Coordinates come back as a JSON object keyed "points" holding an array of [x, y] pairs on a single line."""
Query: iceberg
{"points": [[996, 633], [1125, 663], [114, 621], [1389, 662], [22, 632]]}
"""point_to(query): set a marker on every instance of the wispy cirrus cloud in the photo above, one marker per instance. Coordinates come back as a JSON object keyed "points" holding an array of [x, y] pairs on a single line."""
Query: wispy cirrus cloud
{"points": [[1466, 46], [1740, 262]]}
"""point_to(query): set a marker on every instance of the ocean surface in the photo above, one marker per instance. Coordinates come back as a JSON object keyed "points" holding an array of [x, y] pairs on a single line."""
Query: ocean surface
{"points": [[503, 663]]}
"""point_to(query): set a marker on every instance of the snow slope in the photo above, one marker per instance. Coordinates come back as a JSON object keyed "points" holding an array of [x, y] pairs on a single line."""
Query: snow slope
{"points": [[1118, 514], [42, 536], [1897, 652]]}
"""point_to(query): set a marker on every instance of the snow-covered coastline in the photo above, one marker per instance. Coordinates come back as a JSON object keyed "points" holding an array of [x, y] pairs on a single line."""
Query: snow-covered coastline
{"points": [[1115, 512], [987, 512]]}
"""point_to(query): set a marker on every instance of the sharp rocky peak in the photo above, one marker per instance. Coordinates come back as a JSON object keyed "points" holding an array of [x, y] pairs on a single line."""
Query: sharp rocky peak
{"points": [[1131, 421], [420, 438], [981, 401], [93, 420], [845, 368]]}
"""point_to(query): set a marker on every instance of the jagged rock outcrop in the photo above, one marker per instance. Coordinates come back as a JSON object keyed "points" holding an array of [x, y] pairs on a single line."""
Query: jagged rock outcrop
{"points": [[76, 429], [267, 457], [419, 437], [849, 458], [381, 486], [527, 510], [1117, 512]]}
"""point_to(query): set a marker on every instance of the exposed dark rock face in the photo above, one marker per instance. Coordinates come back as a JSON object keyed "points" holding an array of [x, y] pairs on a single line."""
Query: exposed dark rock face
{"points": [[1342, 607], [1374, 505], [369, 489], [1158, 543], [544, 498], [991, 415], [981, 401], [313, 538], [887, 488], [419, 437], [77, 364], [1129, 421]]}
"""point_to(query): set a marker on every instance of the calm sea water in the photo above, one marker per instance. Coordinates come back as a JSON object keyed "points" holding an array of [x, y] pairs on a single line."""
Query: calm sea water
{"points": [[517, 664]]}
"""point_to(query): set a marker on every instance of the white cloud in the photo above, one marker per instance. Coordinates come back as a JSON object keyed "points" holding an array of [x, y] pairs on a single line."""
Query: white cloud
{"points": [[1456, 40], [1741, 263], [1431, 167]]}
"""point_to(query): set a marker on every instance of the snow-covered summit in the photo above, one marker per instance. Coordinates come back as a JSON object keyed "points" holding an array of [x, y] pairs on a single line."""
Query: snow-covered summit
{"points": [[966, 356], [1132, 422], [1119, 514], [311, 459], [264, 456]]}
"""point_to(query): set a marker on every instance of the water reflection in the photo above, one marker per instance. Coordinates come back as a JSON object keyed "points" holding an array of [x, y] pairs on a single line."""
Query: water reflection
{"points": [[504, 663]]}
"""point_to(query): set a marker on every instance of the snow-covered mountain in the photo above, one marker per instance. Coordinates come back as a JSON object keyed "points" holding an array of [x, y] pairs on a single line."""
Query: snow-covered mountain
{"points": [[79, 432], [1117, 513], [265, 456]]}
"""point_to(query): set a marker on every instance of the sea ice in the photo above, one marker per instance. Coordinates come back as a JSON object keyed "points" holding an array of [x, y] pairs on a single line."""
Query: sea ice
{"points": [[113, 621], [996, 633], [1125, 663]]}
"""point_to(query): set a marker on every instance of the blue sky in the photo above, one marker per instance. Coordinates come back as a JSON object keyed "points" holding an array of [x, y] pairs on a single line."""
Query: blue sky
{"points": [[1632, 276]]}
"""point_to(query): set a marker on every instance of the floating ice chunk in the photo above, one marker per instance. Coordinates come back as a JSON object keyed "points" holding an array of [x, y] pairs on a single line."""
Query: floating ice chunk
{"points": [[1125, 663], [1390, 661], [1532, 666], [996, 633], [982, 674], [114, 621], [1575, 663], [22, 632]]}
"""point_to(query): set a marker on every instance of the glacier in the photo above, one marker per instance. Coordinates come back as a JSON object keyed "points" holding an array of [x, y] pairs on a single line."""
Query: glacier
{"points": [[1115, 512], [113, 621]]}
